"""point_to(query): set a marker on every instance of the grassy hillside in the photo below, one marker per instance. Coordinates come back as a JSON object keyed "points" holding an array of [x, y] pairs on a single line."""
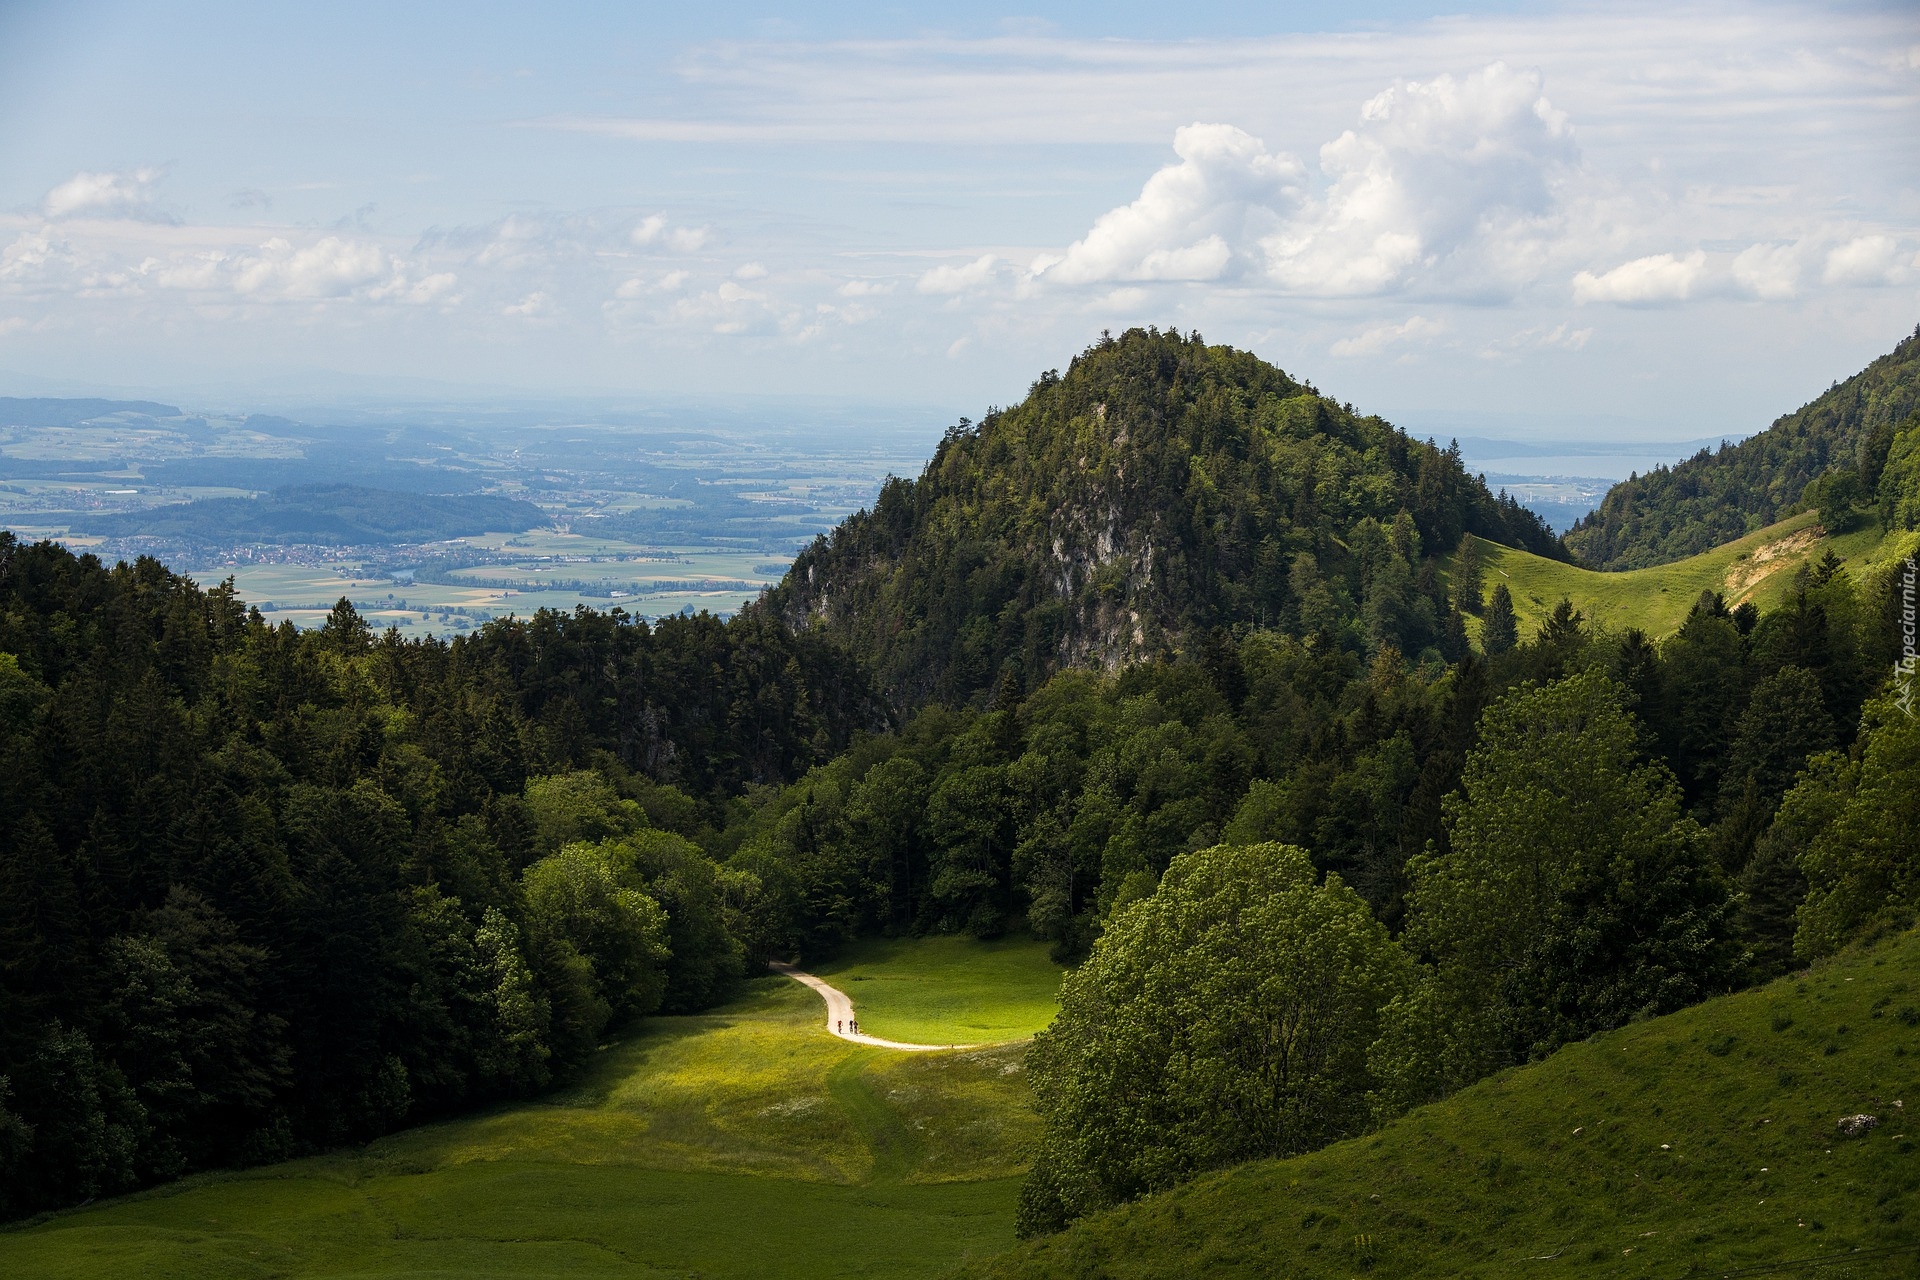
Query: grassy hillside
{"points": [[1695, 1144], [743, 1142], [947, 989], [1758, 568]]}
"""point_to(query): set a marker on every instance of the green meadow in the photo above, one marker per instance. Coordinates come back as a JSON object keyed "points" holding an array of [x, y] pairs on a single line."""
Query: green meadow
{"points": [[1758, 568], [947, 990], [742, 1142]]}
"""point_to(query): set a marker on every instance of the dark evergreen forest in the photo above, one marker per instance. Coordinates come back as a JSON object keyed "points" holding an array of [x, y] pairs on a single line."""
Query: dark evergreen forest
{"points": [[267, 891]]}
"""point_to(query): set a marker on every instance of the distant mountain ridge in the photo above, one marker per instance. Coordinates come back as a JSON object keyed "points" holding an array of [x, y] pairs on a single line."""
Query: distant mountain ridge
{"points": [[50, 411], [324, 514], [1160, 488], [1714, 497]]}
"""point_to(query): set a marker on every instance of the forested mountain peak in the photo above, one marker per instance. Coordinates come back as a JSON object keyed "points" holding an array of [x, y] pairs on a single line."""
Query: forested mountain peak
{"points": [[1159, 488], [1832, 453]]}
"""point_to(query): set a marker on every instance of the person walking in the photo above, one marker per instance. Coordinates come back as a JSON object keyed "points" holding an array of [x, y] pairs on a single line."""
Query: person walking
{"points": [[838, 1027]]}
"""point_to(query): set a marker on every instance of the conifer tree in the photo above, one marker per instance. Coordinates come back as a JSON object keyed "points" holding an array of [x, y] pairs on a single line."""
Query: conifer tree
{"points": [[1499, 631], [1468, 574]]}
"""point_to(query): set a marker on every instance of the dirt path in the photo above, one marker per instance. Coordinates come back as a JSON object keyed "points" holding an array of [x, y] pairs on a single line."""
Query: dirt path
{"points": [[840, 1012]]}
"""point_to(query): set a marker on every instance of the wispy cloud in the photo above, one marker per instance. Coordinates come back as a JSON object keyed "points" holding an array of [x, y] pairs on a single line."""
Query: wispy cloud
{"points": [[1378, 339], [1704, 71], [960, 278]]}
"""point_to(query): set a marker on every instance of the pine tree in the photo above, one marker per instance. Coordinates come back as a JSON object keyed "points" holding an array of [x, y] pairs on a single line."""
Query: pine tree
{"points": [[1785, 722], [1467, 575], [1499, 631]]}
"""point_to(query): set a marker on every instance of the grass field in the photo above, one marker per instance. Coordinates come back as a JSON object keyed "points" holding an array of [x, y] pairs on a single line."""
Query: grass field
{"points": [[746, 1142], [1696, 1144], [948, 990], [1759, 567]]}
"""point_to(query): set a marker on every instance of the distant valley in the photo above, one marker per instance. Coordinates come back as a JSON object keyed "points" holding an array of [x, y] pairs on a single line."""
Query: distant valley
{"points": [[436, 520]]}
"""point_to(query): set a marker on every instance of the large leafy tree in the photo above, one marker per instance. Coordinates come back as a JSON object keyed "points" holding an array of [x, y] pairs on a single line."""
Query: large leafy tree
{"points": [[586, 895], [1575, 893], [1225, 1016]]}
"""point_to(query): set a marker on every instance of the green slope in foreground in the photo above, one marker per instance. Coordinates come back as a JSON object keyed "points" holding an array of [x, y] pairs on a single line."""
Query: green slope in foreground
{"points": [[745, 1142], [1698, 1144], [1758, 568]]}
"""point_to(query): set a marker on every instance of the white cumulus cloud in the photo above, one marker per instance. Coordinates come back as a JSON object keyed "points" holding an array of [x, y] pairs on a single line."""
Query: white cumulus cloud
{"points": [[431, 288], [1435, 170], [331, 267], [534, 306], [1440, 178], [652, 231], [1562, 337], [1657, 278], [103, 195], [1769, 271], [1191, 217], [1864, 260], [34, 257]]}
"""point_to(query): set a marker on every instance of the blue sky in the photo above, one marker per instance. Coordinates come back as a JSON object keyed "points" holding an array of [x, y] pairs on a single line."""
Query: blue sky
{"points": [[1664, 221]]}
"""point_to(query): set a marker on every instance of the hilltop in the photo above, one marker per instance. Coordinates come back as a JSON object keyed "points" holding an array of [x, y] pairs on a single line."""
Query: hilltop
{"points": [[1683, 1145], [1844, 439], [44, 411], [1159, 488]]}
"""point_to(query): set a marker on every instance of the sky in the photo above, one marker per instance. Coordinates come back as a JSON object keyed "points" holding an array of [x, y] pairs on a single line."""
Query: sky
{"points": [[1558, 221]]}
